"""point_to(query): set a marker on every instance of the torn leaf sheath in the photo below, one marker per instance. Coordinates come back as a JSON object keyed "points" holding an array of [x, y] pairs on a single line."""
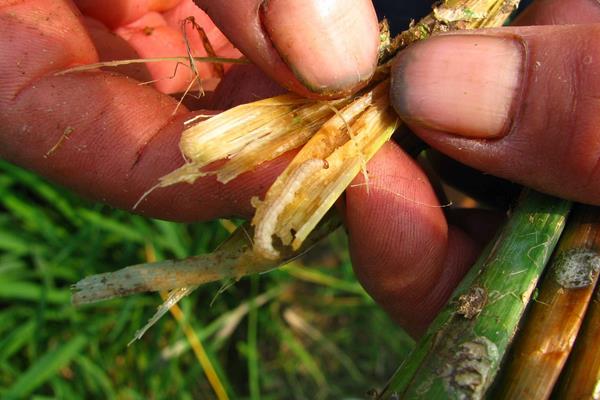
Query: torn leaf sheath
{"points": [[321, 171], [338, 137], [248, 135]]}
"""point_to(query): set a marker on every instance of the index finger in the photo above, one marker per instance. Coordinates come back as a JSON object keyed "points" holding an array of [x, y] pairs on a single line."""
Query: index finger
{"points": [[98, 133], [313, 47]]}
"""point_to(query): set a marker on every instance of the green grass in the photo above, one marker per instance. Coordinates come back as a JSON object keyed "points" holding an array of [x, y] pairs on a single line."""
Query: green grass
{"points": [[311, 333]]}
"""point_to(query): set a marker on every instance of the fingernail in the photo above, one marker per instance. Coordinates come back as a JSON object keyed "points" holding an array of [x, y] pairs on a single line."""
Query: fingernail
{"points": [[331, 46], [465, 85]]}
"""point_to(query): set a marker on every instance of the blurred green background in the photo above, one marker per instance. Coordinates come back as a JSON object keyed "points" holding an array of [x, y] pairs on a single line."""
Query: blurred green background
{"points": [[305, 331]]}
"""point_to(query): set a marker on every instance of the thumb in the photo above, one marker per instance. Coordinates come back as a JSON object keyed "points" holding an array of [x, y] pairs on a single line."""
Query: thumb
{"points": [[520, 103], [313, 47]]}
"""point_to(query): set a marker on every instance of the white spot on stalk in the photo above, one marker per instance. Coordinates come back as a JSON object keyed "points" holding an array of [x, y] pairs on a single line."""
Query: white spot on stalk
{"points": [[576, 268], [263, 237]]}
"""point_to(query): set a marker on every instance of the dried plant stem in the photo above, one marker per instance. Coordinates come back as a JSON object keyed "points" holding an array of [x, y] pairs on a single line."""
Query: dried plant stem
{"points": [[461, 352], [551, 325], [452, 15], [580, 378], [182, 59], [248, 135]]}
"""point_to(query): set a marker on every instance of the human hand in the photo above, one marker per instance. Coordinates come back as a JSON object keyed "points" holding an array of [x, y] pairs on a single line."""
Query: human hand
{"points": [[405, 252], [110, 139], [521, 103]]}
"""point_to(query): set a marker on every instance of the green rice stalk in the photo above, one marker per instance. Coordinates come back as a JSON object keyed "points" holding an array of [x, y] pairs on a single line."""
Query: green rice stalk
{"points": [[459, 356]]}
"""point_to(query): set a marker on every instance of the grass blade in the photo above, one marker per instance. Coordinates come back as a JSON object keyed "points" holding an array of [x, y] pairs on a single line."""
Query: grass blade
{"points": [[199, 351], [28, 291], [96, 376], [19, 337], [251, 347], [45, 368]]}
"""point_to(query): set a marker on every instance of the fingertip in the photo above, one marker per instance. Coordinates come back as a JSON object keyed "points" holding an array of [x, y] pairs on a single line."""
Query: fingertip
{"points": [[551, 143], [317, 49], [331, 48], [29, 49], [430, 87], [404, 253]]}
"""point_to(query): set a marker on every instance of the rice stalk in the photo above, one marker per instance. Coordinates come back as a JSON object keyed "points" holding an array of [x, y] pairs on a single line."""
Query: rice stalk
{"points": [[232, 260], [461, 352], [580, 378]]}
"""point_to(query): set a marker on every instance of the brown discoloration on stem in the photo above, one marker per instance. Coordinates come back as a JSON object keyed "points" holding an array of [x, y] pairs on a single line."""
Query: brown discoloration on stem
{"points": [[453, 359], [467, 371], [471, 303], [233, 259]]}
